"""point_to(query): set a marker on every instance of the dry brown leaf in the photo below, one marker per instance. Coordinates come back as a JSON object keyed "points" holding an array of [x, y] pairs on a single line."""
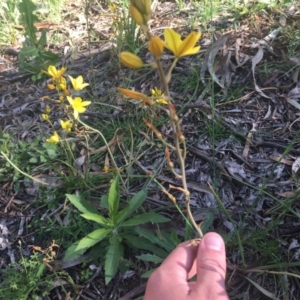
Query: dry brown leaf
{"points": [[41, 25], [248, 141], [296, 165], [241, 58], [281, 160], [210, 59], [110, 144], [287, 194], [255, 60]]}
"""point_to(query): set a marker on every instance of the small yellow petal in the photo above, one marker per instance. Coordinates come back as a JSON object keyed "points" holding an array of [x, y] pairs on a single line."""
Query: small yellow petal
{"points": [[47, 109], [181, 48], [78, 83], [52, 71], [161, 101], [66, 125], [131, 60], [70, 100], [188, 45], [54, 138], [172, 40], [45, 117]]}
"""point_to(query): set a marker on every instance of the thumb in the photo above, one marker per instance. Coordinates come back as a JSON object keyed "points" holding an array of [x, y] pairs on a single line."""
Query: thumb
{"points": [[211, 268]]}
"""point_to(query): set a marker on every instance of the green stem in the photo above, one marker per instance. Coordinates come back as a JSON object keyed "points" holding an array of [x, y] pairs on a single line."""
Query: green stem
{"points": [[106, 144], [26, 174]]}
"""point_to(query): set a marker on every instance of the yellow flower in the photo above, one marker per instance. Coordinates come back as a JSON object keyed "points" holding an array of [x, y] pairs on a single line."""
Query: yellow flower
{"points": [[78, 105], [181, 48], [45, 117], [157, 93], [61, 83], [113, 7], [54, 138], [131, 60], [47, 109], [78, 83], [156, 46], [106, 169], [66, 125], [54, 73]]}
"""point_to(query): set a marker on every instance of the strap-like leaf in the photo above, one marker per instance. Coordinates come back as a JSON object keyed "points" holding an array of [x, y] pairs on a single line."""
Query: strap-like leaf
{"points": [[150, 257], [145, 218], [114, 198], [113, 255], [82, 205], [96, 218], [136, 201], [92, 238]]}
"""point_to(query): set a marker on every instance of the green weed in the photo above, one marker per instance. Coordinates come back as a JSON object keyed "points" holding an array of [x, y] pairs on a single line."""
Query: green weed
{"points": [[33, 56], [118, 227]]}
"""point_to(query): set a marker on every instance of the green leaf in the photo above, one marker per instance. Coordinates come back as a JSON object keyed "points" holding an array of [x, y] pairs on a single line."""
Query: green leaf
{"points": [[33, 160], [43, 39], [28, 18], [96, 218], [104, 201], [150, 257], [167, 241], [145, 218], [113, 255], [148, 273], [71, 253], [148, 235], [209, 219], [82, 205], [262, 290], [174, 237], [144, 244], [114, 198], [92, 238], [29, 51], [135, 202], [51, 149]]}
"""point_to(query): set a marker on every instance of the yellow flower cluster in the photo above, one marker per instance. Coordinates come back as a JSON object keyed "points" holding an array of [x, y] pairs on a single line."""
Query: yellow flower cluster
{"points": [[59, 83], [140, 11]]}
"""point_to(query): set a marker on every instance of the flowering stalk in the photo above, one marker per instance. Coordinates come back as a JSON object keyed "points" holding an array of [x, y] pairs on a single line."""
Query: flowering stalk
{"points": [[141, 12]]}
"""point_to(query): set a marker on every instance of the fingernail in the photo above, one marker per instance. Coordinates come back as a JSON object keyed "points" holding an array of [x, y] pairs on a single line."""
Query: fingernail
{"points": [[213, 242]]}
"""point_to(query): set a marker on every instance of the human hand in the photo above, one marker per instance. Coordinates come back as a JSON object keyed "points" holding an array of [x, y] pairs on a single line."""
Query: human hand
{"points": [[207, 260]]}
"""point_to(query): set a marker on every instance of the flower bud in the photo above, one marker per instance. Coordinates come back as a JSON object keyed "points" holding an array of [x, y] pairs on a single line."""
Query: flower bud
{"points": [[143, 6], [133, 94], [156, 46], [136, 15], [131, 60], [140, 11]]}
